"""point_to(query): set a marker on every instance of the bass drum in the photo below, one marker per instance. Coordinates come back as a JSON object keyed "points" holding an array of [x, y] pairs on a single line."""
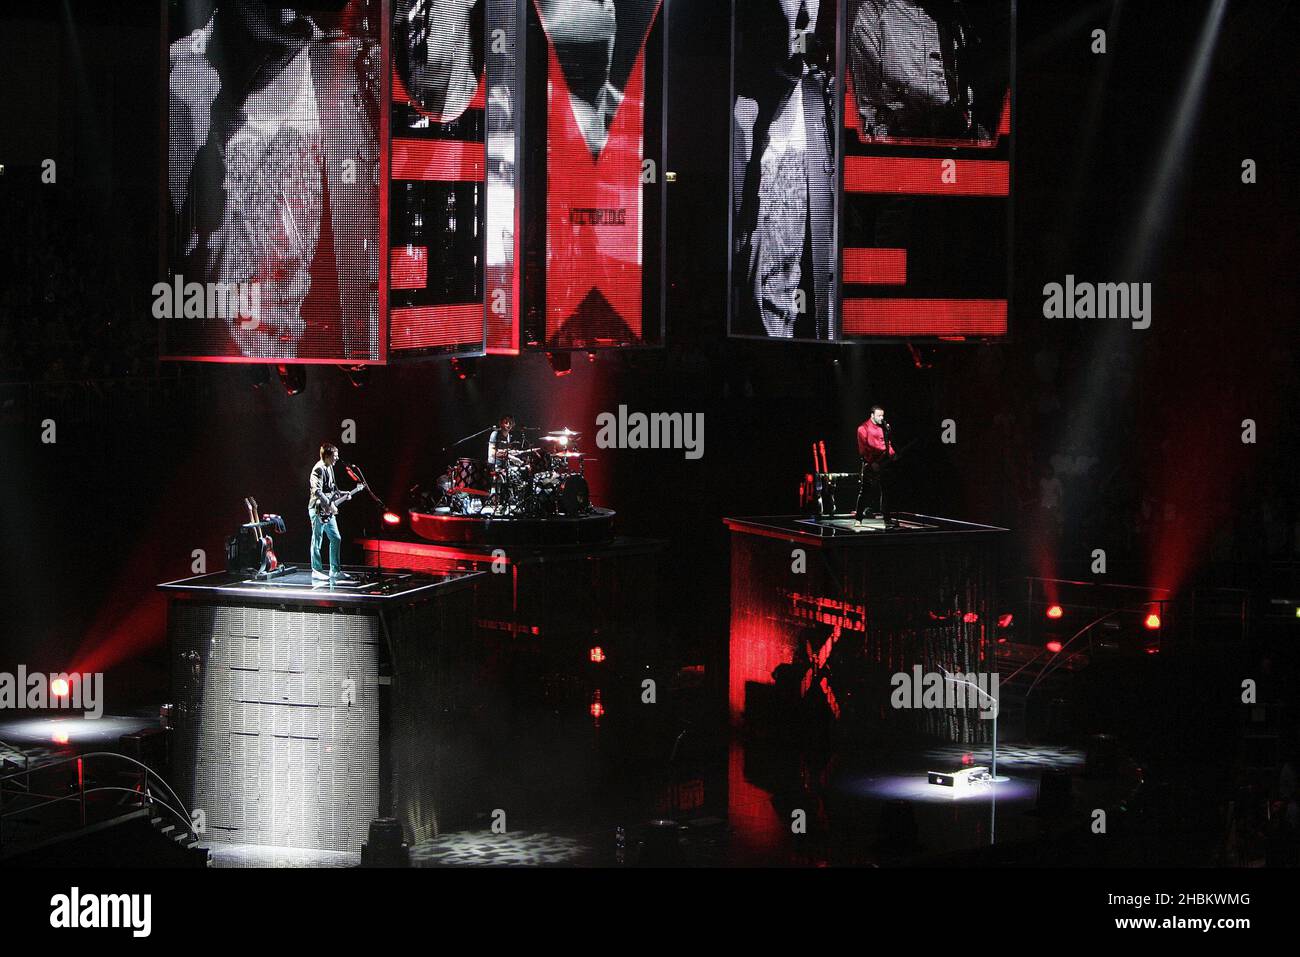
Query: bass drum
{"points": [[572, 497]]}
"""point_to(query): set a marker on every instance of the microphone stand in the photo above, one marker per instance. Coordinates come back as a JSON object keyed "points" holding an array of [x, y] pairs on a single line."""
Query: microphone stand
{"points": [[360, 476], [475, 435], [884, 463], [996, 708]]}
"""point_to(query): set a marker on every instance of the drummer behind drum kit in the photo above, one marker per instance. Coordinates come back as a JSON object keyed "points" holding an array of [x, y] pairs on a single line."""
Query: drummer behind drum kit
{"points": [[538, 482]]}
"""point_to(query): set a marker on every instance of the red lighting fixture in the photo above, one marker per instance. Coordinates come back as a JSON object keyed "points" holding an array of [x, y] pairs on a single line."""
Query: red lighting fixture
{"points": [[1152, 622], [392, 518], [597, 709], [1055, 611], [598, 654], [1004, 621], [463, 368], [1054, 647], [970, 617]]}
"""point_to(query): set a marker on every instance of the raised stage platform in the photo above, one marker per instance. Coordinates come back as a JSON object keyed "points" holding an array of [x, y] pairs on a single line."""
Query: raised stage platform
{"points": [[484, 530], [369, 587], [836, 530], [302, 713], [824, 612]]}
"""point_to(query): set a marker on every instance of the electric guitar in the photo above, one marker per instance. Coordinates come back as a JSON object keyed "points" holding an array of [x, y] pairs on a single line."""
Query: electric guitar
{"points": [[327, 505]]}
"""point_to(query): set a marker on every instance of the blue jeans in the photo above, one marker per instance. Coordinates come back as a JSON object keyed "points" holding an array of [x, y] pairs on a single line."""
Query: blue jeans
{"points": [[330, 528]]}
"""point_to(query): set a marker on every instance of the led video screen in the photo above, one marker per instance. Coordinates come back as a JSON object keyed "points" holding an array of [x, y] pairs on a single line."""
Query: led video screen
{"points": [[503, 149], [437, 189], [870, 169], [925, 222], [783, 169], [271, 229], [593, 173]]}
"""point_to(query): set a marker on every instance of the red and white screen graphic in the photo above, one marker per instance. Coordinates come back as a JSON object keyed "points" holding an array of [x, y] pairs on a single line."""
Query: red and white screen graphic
{"points": [[437, 192], [926, 169], [588, 281]]}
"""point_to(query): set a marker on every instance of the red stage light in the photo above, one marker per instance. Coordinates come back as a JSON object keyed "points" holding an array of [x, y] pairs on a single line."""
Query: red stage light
{"points": [[970, 617], [392, 518], [1055, 611], [967, 759], [59, 687], [1054, 647], [1152, 621], [597, 709], [598, 654], [1004, 621]]}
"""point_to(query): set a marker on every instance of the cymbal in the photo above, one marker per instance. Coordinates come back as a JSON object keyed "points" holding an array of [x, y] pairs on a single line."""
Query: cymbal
{"points": [[564, 433]]}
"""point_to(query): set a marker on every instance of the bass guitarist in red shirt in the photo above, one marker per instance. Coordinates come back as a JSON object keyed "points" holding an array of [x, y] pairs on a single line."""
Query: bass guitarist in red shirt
{"points": [[875, 449]]}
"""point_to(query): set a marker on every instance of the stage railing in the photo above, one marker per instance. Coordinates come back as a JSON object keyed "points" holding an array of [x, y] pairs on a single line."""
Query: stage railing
{"points": [[147, 798]]}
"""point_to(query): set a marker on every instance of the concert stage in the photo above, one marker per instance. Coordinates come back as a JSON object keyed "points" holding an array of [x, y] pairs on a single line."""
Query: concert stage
{"points": [[568, 599], [303, 713], [824, 612], [517, 531]]}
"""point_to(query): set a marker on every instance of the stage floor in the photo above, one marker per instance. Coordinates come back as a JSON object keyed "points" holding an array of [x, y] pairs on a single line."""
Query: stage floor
{"points": [[842, 529], [844, 816], [732, 802], [369, 586]]}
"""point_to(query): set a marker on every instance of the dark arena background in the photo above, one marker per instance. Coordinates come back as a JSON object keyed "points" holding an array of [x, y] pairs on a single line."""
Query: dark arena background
{"points": [[651, 433]]}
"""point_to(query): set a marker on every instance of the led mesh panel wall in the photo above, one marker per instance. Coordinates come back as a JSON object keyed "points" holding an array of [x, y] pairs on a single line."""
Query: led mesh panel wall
{"points": [[593, 111], [927, 174], [277, 723], [783, 169], [504, 115], [437, 189], [870, 168], [273, 166]]}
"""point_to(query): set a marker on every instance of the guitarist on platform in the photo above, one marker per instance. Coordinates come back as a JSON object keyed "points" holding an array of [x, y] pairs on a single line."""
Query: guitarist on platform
{"points": [[876, 450], [323, 507]]}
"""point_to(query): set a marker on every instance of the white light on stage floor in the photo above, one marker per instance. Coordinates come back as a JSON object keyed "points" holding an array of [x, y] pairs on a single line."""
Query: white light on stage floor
{"points": [[916, 786], [71, 729]]}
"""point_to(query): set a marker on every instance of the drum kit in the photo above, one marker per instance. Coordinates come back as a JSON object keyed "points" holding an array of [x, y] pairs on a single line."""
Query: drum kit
{"points": [[539, 482]]}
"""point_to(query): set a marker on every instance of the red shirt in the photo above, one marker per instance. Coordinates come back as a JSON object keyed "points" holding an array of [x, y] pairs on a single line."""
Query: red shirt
{"points": [[871, 442]]}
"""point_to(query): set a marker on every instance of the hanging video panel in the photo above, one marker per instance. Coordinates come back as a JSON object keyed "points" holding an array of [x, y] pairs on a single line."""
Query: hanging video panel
{"points": [[925, 225], [783, 169], [870, 169], [593, 174], [438, 190], [271, 221]]}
